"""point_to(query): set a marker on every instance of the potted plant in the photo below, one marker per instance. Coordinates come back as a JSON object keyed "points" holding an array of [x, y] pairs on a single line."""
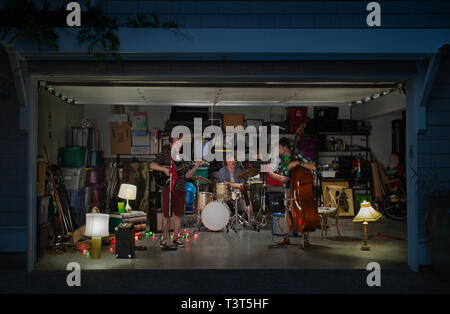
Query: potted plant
{"points": [[435, 195]]}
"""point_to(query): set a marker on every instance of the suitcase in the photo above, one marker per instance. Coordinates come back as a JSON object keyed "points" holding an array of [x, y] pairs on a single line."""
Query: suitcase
{"points": [[348, 125], [326, 113], [125, 247]]}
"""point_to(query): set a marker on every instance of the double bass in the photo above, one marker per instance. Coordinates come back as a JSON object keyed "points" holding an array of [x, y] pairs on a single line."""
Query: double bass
{"points": [[303, 215]]}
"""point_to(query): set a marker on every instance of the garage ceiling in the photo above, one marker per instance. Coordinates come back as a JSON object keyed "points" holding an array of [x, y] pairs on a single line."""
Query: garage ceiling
{"points": [[263, 94]]}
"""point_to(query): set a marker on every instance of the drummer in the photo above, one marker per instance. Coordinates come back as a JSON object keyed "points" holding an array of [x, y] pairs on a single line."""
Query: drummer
{"points": [[228, 174]]}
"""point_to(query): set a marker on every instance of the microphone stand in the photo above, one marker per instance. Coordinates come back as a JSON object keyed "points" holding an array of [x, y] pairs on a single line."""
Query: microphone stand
{"points": [[170, 246]]}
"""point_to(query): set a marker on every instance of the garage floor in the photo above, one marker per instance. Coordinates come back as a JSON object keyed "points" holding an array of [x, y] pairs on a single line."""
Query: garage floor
{"points": [[248, 249]]}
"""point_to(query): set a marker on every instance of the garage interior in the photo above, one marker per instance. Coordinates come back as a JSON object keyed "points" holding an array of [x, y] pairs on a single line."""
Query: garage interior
{"points": [[350, 131]]}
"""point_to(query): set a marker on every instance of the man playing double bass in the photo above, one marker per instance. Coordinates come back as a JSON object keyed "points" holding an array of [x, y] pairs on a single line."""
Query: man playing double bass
{"points": [[280, 172]]}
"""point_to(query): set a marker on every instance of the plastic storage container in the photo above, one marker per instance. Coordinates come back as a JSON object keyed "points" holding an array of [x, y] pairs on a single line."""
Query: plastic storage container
{"points": [[76, 199], [94, 177], [296, 113], [96, 158], [73, 156], [74, 178]]}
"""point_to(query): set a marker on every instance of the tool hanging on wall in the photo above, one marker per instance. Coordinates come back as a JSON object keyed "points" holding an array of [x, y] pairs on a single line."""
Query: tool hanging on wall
{"points": [[115, 177], [63, 217]]}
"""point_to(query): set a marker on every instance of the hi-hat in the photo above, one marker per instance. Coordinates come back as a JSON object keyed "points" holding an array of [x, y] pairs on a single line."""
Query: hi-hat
{"points": [[201, 179], [248, 173]]}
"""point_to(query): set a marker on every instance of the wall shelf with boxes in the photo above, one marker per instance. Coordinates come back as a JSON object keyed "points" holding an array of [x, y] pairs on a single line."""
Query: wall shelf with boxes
{"points": [[337, 146]]}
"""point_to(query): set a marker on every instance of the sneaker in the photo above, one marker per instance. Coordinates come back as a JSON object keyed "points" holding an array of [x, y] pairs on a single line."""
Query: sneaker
{"points": [[178, 243], [284, 241], [162, 244]]}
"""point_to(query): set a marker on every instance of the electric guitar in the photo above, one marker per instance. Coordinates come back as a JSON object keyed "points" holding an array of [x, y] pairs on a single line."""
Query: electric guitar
{"points": [[162, 180]]}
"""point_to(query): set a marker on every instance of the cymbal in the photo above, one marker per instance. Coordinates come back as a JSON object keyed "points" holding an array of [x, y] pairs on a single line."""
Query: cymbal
{"points": [[248, 173], [255, 182], [201, 179]]}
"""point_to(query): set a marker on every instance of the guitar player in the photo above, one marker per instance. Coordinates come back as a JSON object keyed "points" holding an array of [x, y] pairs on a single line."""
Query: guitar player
{"points": [[161, 163]]}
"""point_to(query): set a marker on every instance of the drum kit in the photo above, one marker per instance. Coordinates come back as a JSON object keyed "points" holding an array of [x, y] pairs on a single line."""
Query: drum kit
{"points": [[212, 209]]}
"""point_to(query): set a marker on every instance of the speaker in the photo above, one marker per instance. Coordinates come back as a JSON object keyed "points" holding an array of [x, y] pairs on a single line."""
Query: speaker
{"points": [[275, 201], [125, 241], [278, 224]]}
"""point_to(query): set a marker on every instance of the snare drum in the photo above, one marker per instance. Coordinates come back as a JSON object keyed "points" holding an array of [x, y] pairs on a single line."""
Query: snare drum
{"points": [[222, 192], [235, 194], [215, 216], [203, 199]]}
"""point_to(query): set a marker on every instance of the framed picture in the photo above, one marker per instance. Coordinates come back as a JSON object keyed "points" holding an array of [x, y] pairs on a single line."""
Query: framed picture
{"points": [[326, 196], [346, 207]]}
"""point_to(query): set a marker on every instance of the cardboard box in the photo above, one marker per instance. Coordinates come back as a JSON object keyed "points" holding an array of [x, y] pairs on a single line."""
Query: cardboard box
{"points": [[120, 138], [139, 120], [117, 109], [154, 146], [140, 150], [232, 120], [119, 117], [138, 140]]}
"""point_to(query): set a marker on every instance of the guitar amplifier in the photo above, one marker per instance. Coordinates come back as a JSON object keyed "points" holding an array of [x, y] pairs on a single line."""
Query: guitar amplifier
{"points": [[275, 201], [279, 227], [125, 241], [278, 224]]}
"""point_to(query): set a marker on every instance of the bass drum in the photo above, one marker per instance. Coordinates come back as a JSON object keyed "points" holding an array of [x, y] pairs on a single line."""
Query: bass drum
{"points": [[215, 216]]}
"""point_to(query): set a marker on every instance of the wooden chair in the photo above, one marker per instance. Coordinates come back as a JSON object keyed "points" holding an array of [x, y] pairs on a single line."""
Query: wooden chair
{"points": [[331, 208]]}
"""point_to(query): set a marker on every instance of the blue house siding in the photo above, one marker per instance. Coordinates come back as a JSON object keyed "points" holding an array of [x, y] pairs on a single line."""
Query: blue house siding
{"points": [[434, 146], [13, 170], [284, 14]]}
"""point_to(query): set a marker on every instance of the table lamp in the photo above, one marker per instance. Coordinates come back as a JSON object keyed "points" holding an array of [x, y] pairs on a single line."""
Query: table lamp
{"points": [[127, 192], [366, 213], [97, 226]]}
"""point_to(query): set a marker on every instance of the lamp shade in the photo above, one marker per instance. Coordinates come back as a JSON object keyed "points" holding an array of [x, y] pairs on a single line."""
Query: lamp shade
{"points": [[127, 191], [367, 213], [97, 225]]}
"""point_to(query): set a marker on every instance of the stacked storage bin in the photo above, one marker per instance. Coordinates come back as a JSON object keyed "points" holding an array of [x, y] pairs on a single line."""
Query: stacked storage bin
{"points": [[327, 119], [80, 173], [87, 138], [75, 180], [98, 191], [295, 115]]}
